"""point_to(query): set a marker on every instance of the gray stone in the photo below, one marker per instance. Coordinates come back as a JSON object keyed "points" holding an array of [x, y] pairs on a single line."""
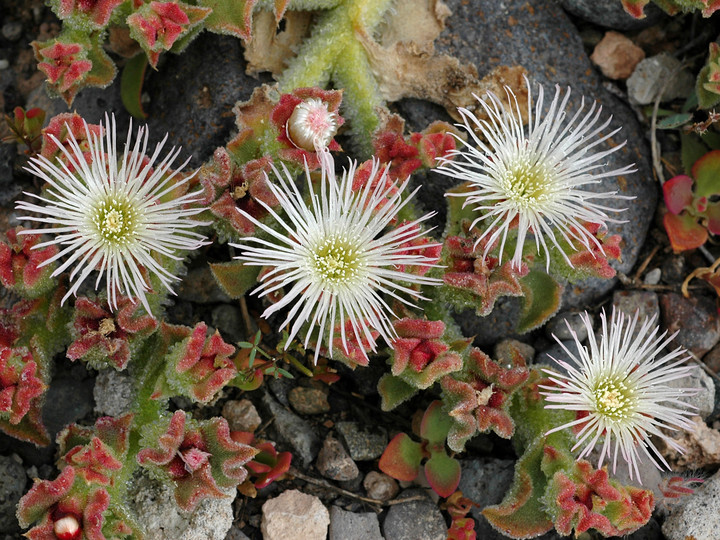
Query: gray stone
{"points": [[653, 277], [556, 352], [415, 520], [154, 503], [9, 189], [113, 392], [228, 320], [362, 443], [76, 396], [199, 286], [12, 30], [334, 463], [241, 415], [644, 303], [12, 487], [309, 400], [485, 482], [610, 14], [292, 430], [698, 515], [294, 515], [380, 486], [236, 534], [694, 319], [192, 95], [704, 399], [566, 324], [652, 74], [351, 526], [547, 44]]}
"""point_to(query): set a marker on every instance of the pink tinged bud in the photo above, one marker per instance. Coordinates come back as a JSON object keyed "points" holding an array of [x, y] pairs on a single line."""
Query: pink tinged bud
{"points": [[67, 528], [312, 125], [194, 458]]}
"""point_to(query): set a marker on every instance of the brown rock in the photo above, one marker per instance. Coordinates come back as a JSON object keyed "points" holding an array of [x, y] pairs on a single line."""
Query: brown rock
{"points": [[695, 319], [241, 415], [616, 56], [380, 486], [308, 400], [334, 463]]}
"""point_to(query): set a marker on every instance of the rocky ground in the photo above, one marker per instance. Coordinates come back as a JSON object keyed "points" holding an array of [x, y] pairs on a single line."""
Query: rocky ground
{"points": [[337, 433]]}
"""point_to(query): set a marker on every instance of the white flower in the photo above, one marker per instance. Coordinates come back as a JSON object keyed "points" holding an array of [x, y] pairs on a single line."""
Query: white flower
{"points": [[619, 390], [335, 256], [107, 215], [312, 125], [532, 178]]}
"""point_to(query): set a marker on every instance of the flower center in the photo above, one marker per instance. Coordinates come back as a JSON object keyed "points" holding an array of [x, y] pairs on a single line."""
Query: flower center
{"points": [[116, 221], [337, 261], [613, 398], [527, 183]]}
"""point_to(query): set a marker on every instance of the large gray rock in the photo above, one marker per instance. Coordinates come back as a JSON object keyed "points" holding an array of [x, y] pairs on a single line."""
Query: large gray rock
{"points": [[610, 14], [485, 482], [158, 512], [351, 526], [698, 515], [546, 43], [415, 520], [292, 430], [12, 487]]}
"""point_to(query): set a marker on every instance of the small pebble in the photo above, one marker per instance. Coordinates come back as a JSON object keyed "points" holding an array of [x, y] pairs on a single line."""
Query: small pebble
{"points": [[380, 486], [616, 56], [334, 463], [4, 64], [12, 30], [558, 326], [414, 520], [653, 277], [241, 415], [308, 400]]}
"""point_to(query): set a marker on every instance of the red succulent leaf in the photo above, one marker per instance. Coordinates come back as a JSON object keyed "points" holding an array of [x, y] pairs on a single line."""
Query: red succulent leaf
{"points": [[247, 189], [422, 246], [684, 232], [62, 507], [95, 462], [201, 458], [401, 459], [64, 64], [268, 465], [97, 12], [22, 268], [199, 367], [405, 155], [419, 353], [588, 499], [478, 398], [20, 384], [101, 336], [442, 473], [635, 7], [58, 132], [706, 171], [678, 193], [156, 26], [481, 277]]}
